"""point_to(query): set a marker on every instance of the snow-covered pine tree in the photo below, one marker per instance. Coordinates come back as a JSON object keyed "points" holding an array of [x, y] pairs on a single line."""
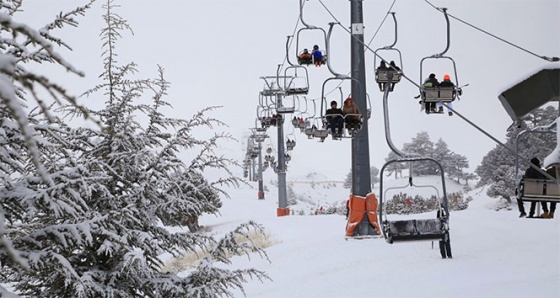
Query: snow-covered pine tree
{"points": [[22, 45], [150, 183], [35, 198], [443, 154], [422, 145], [453, 163], [454, 169], [504, 183], [93, 228]]}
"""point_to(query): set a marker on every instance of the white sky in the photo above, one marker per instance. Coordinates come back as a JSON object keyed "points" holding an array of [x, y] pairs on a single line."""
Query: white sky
{"points": [[215, 51]]}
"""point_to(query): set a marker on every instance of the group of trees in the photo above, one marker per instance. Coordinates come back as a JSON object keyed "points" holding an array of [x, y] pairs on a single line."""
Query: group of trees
{"points": [[497, 169], [82, 210], [453, 164]]}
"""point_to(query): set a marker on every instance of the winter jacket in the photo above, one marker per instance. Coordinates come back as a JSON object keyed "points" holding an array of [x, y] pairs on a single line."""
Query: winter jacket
{"points": [[350, 108], [338, 112], [446, 83], [431, 82]]}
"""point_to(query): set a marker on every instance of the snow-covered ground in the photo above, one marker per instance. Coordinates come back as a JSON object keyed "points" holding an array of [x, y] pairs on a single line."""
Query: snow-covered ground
{"points": [[495, 253]]}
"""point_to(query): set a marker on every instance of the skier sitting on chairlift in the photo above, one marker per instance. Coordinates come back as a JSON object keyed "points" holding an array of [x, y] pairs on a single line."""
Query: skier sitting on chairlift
{"points": [[335, 120], [352, 115], [430, 82], [382, 67], [446, 83], [305, 57], [318, 56]]}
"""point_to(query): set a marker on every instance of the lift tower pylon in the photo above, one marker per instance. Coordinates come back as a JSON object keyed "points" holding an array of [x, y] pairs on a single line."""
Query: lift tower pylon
{"points": [[361, 179]]}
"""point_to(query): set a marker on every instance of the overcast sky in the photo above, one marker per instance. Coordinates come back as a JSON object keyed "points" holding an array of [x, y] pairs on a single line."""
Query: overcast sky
{"points": [[215, 51]]}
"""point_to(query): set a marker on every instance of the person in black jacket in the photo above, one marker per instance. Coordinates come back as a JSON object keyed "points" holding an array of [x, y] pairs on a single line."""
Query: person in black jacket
{"points": [[382, 67], [532, 173], [393, 67], [431, 81], [335, 118]]}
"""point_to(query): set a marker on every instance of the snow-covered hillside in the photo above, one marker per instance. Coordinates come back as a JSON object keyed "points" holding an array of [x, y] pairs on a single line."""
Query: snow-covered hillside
{"points": [[315, 192], [495, 253]]}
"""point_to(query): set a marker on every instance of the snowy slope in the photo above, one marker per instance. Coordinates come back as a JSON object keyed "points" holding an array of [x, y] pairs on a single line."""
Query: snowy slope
{"points": [[495, 254]]}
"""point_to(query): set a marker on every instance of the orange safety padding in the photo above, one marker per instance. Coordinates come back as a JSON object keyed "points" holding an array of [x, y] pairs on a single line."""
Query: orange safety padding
{"points": [[371, 206], [357, 207], [282, 211]]}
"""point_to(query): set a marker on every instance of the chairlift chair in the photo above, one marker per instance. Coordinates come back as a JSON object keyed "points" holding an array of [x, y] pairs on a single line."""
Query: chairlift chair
{"points": [[541, 190], [310, 131], [310, 28], [299, 52], [353, 129], [382, 75], [296, 80], [438, 94], [295, 121], [321, 133], [290, 144], [421, 228]]}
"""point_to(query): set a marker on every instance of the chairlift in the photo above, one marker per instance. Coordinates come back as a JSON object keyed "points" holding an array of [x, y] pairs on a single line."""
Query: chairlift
{"points": [[320, 130], [298, 50], [296, 78], [416, 229], [382, 74], [296, 84], [290, 144], [349, 126], [432, 95], [274, 95], [413, 229], [310, 131], [321, 133], [318, 55], [298, 121], [546, 189]]}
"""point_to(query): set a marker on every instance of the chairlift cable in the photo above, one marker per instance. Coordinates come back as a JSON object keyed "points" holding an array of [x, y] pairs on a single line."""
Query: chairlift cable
{"points": [[510, 150], [550, 59]]}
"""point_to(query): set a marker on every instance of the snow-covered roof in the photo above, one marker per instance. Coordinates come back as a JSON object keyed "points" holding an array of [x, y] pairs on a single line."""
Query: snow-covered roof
{"points": [[532, 92]]}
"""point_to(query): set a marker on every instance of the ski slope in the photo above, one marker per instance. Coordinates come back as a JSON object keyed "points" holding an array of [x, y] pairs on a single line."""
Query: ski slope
{"points": [[495, 253]]}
